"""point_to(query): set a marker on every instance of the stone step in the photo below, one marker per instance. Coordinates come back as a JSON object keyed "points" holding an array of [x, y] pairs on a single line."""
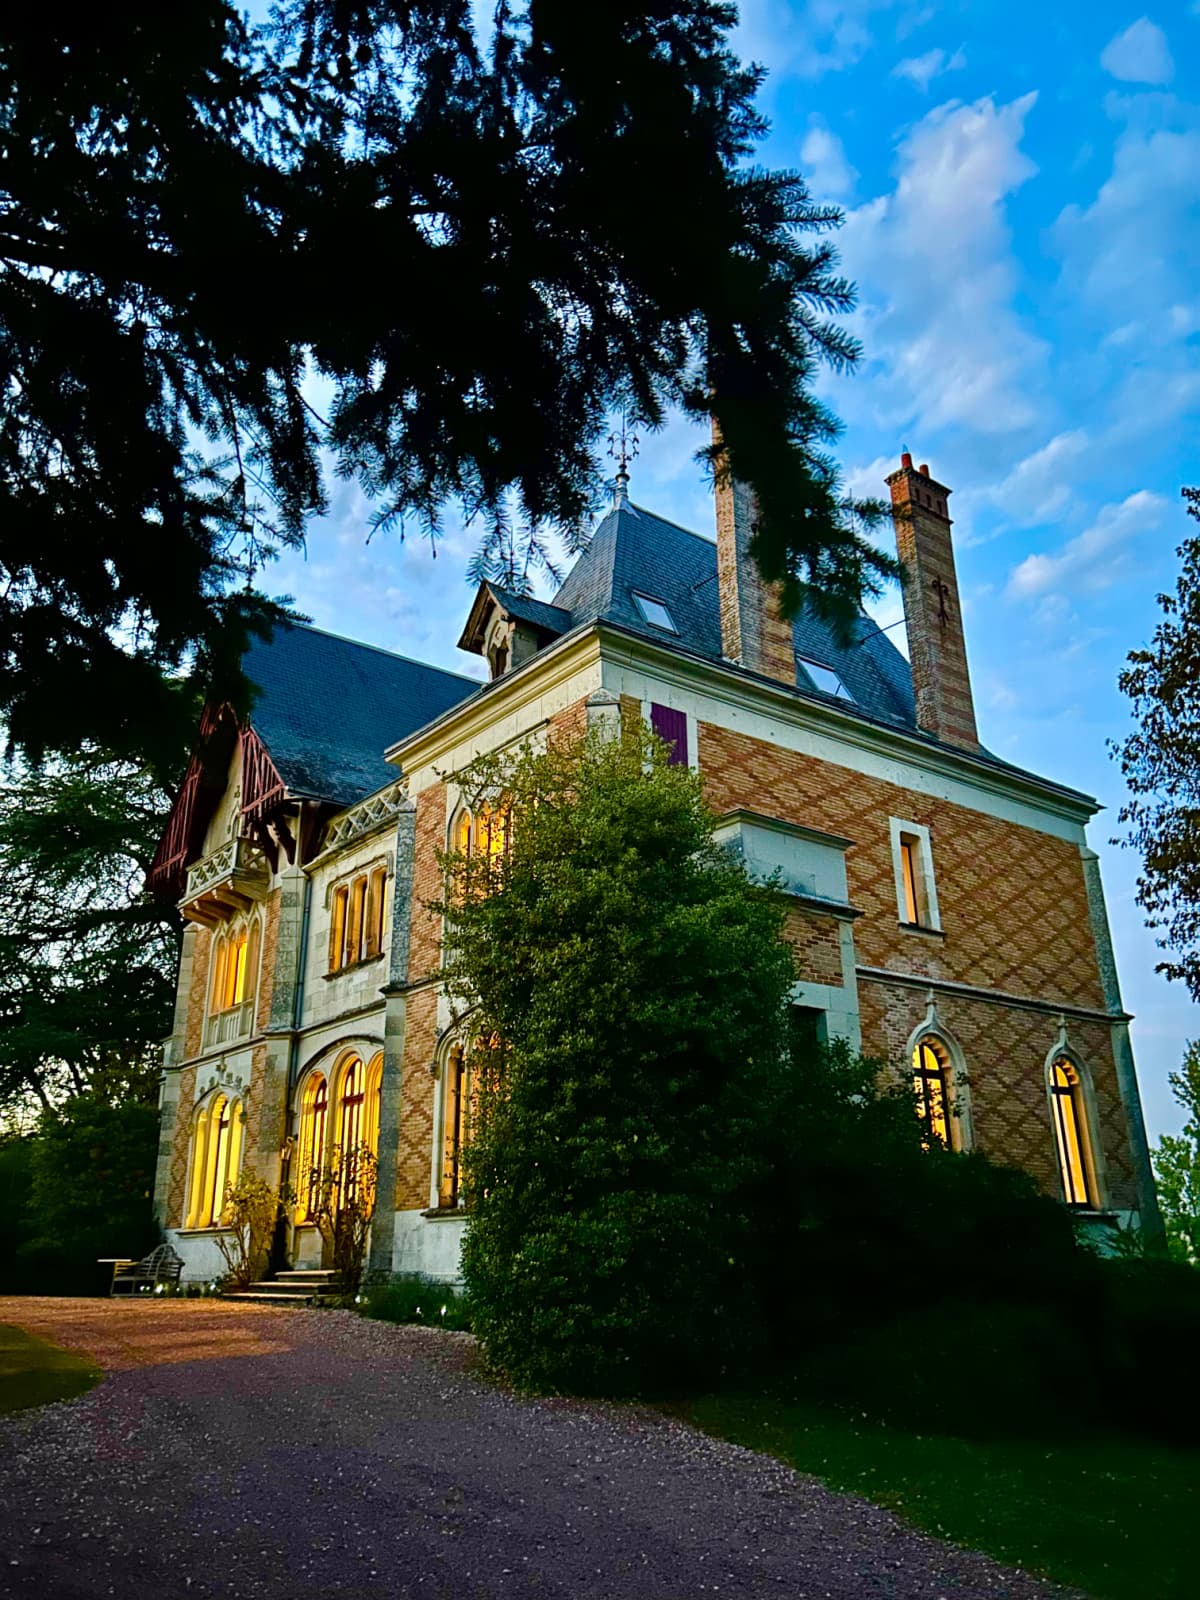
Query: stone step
{"points": [[305, 1274], [268, 1299]]}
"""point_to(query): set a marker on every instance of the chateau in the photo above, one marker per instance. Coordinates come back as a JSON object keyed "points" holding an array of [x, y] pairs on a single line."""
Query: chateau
{"points": [[946, 910]]}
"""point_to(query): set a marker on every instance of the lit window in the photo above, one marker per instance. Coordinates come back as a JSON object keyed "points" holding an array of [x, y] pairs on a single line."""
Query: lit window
{"points": [[454, 1137], [373, 1104], [655, 613], [486, 832], [825, 679], [314, 1109], [912, 859], [358, 919], [216, 1160], [930, 1081], [1071, 1134]]}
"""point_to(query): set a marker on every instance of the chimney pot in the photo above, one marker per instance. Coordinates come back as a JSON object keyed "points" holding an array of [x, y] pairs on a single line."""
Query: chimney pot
{"points": [[906, 461], [924, 469]]}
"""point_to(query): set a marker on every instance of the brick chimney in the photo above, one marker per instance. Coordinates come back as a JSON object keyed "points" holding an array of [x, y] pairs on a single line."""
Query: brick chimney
{"points": [[932, 615], [753, 633]]}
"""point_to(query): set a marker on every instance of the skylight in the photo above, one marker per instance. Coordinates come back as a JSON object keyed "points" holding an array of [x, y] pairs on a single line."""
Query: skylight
{"points": [[655, 613], [825, 679]]}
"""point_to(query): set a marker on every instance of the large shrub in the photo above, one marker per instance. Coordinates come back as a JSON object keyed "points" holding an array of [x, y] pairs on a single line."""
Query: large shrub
{"points": [[91, 1190], [627, 985]]}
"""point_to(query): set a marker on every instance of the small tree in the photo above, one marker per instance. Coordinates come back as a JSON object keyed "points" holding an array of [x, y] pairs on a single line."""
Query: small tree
{"points": [[252, 1209], [1177, 1165], [343, 1204], [627, 983]]}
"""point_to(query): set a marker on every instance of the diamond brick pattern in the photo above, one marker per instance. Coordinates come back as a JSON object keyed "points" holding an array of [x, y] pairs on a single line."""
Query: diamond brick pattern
{"points": [[417, 1091]]}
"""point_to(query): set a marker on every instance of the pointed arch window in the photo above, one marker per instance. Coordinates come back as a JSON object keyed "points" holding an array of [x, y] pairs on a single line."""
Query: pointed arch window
{"points": [[374, 1098], [314, 1114], [217, 1140], [931, 1081], [456, 1111], [1069, 1114], [234, 984]]}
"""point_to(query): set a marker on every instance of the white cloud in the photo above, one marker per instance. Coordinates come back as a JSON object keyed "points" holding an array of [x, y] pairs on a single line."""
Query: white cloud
{"points": [[806, 39], [1039, 486], [1139, 55], [937, 278], [829, 173], [921, 70], [1095, 558]]}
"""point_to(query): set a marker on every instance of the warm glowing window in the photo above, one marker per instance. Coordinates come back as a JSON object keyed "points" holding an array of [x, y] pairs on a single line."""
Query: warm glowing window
{"points": [[912, 857], [1070, 1134], [374, 1099], [216, 1160], [931, 1083], [485, 832], [455, 1126], [234, 967], [358, 918], [314, 1111], [351, 1095]]}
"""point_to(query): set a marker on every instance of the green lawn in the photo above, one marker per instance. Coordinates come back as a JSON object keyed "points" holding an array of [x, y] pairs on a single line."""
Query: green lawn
{"points": [[33, 1373], [1119, 1519]]}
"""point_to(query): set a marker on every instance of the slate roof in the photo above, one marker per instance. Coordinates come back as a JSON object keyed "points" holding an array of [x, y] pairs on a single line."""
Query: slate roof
{"points": [[634, 551], [328, 707], [552, 619]]}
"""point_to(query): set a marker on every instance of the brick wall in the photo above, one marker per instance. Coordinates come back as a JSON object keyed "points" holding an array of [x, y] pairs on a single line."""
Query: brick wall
{"points": [[1005, 1050], [266, 968], [815, 945], [193, 1037], [429, 838], [417, 1103], [1013, 902], [179, 1148]]}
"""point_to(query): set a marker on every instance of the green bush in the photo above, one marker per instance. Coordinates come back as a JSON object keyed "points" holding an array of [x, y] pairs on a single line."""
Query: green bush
{"points": [[433, 1305], [637, 980]]}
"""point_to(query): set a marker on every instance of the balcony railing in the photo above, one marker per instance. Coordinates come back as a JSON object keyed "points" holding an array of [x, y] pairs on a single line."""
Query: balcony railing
{"points": [[226, 1026], [225, 882]]}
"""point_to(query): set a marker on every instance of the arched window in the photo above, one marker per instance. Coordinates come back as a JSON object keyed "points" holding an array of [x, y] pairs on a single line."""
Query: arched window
{"points": [[931, 1081], [373, 1100], [484, 833], [461, 833], [235, 967], [456, 1110], [314, 1111], [1069, 1114], [216, 1159], [351, 1099]]}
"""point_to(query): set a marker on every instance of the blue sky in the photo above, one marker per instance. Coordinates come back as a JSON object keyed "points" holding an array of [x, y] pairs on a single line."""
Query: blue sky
{"points": [[1022, 196]]}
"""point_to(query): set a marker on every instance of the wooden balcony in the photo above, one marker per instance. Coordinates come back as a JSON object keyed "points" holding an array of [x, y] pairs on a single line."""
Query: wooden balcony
{"points": [[229, 880]]}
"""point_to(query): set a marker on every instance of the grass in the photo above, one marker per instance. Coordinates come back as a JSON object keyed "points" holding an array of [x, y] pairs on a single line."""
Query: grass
{"points": [[1118, 1518], [34, 1373]]}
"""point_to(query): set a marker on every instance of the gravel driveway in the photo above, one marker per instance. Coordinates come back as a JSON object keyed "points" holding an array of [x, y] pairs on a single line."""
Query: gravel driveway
{"points": [[296, 1454]]}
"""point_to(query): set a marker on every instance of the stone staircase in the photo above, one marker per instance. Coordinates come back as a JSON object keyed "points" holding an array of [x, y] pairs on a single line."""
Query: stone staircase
{"points": [[291, 1287]]}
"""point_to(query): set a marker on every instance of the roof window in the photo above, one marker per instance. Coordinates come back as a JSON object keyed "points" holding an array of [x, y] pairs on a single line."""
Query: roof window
{"points": [[825, 679], [655, 613]]}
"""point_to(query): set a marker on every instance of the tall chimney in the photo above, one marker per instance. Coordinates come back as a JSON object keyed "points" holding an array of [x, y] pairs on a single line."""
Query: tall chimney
{"points": [[932, 615], [753, 632]]}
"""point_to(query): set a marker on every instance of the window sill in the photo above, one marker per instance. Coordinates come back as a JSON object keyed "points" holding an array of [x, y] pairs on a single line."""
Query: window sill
{"points": [[920, 927], [354, 966], [446, 1214], [200, 1233]]}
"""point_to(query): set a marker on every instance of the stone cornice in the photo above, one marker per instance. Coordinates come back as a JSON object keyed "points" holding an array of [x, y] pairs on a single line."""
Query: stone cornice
{"points": [[996, 997]]}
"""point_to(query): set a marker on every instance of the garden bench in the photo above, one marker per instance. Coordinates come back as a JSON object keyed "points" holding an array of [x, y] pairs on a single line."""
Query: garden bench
{"points": [[162, 1265]]}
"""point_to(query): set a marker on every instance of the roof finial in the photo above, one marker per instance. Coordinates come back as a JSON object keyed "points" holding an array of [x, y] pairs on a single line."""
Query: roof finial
{"points": [[623, 448]]}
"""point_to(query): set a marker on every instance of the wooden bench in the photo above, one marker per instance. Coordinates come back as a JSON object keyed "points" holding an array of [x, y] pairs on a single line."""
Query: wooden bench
{"points": [[162, 1265]]}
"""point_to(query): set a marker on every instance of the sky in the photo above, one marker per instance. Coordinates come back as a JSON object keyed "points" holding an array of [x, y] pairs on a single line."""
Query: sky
{"points": [[1021, 189]]}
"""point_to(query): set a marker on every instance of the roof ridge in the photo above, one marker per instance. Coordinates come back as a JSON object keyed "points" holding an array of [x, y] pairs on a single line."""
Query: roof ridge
{"points": [[671, 523], [393, 655]]}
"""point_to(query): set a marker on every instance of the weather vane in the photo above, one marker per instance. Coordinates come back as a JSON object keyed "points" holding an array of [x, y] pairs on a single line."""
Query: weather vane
{"points": [[623, 448]]}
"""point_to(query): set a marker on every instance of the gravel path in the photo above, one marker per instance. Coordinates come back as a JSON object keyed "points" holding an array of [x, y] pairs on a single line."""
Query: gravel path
{"points": [[288, 1455]]}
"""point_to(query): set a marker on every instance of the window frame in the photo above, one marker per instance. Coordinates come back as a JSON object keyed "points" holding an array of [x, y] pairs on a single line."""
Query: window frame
{"points": [[217, 1149], [933, 1034], [842, 692], [641, 601], [1078, 1095], [357, 917], [912, 846]]}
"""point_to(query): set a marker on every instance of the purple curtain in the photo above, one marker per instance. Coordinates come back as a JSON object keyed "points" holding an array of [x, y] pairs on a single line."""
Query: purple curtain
{"points": [[671, 728]]}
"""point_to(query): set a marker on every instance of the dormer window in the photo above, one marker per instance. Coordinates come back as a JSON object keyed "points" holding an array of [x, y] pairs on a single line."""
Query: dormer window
{"points": [[825, 679], [498, 659], [655, 613]]}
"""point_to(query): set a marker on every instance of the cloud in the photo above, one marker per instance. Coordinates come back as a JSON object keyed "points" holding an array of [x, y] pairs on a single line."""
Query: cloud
{"points": [[808, 39], [937, 278], [1039, 486], [1095, 558], [830, 175], [1139, 55], [921, 70]]}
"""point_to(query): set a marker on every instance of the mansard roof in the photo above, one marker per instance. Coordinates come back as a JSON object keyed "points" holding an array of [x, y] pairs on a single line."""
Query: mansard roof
{"points": [[635, 552], [326, 708]]}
